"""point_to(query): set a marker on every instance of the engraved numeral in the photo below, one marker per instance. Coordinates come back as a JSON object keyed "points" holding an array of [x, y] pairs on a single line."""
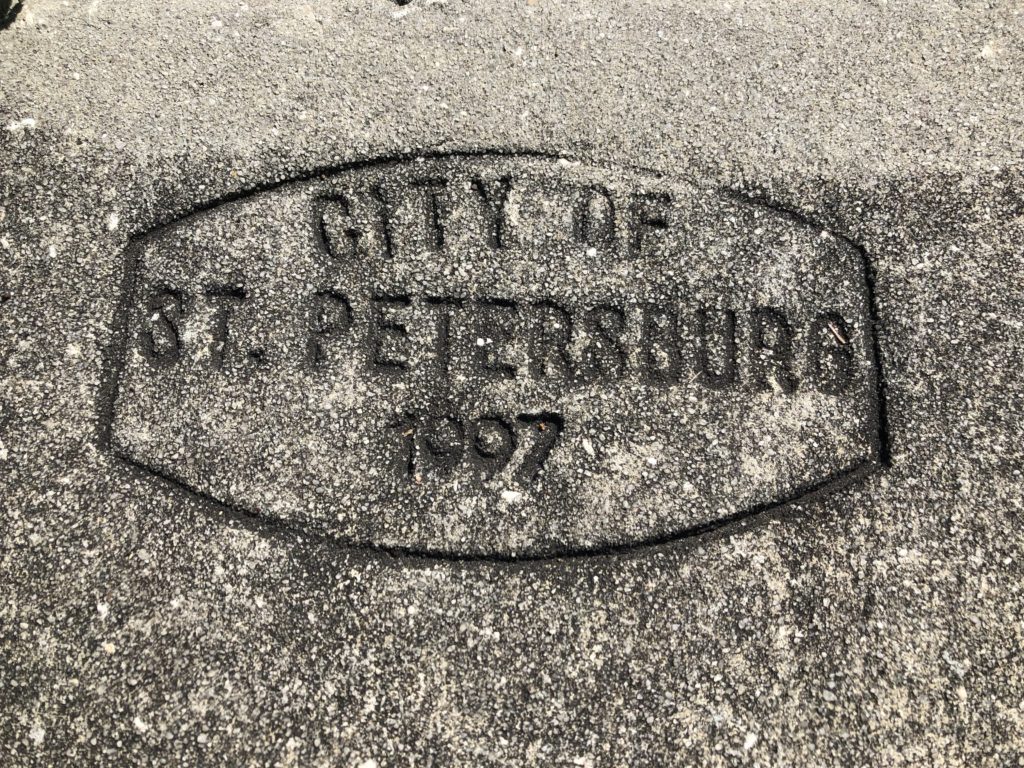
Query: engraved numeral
{"points": [[432, 446], [545, 428]]}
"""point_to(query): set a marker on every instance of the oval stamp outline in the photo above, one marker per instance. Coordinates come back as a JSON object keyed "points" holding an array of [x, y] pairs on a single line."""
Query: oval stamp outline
{"points": [[115, 354]]}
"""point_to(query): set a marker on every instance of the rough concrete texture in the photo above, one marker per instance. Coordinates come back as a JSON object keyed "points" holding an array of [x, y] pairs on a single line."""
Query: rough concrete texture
{"points": [[142, 623]]}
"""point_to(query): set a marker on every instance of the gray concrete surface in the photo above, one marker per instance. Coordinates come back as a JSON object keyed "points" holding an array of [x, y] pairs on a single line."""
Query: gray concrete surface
{"points": [[190, 616]]}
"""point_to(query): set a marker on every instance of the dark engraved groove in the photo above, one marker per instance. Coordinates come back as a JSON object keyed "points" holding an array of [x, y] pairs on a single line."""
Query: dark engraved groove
{"points": [[488, 442], [9, 13]]}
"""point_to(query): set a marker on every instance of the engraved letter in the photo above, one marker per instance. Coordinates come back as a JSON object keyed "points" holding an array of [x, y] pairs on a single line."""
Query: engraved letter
{"points": [[723, 375], [771, 350], [604, 357], [649, 220], [494, 196], [433, 191], [225, 298], [161, 341], [552, 334], [389, 337], [385, 216], [338, 227], [444, 309], [346, 221], [495, 322], [830, 353], [594, 218], [661, 358], [330, 316]]}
